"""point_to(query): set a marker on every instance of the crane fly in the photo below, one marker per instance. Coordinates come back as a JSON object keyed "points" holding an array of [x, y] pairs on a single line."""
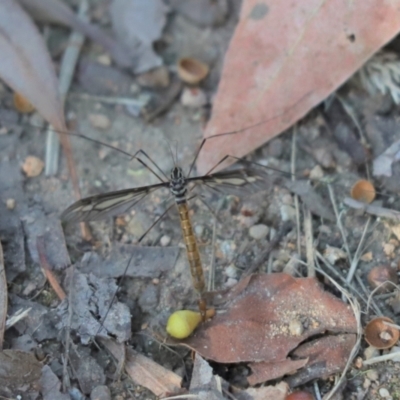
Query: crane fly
{"points": [[119, 202]]}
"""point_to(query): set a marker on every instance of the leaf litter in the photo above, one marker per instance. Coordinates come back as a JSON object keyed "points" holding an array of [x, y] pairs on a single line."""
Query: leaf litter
{"points": [[265, 317], [99, 288]]}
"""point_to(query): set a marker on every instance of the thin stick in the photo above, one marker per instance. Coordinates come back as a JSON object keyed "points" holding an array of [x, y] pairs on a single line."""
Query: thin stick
{"points": [[357, 255], [66, 380], [370, 299], [47, 269], [3, 298], [68, 63], [211, 275], [339, 222], [296, 198], [395, 356], [343, 280], [309, 243], [140, 102], [357, 314]]}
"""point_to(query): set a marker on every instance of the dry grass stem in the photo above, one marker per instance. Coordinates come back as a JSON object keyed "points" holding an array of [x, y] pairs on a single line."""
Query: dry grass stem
{"points": [[357, 314], [339, 222]]}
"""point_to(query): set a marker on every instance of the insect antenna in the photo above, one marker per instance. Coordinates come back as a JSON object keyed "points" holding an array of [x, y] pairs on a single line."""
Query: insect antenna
{"points": [[264, 121]]}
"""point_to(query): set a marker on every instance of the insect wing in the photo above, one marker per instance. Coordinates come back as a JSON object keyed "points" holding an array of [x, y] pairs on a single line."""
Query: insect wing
{"points": [[108, 204], [233, 180]]}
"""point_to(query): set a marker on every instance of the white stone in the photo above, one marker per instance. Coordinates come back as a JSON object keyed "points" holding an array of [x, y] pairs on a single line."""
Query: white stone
{"points": [[165, 241], [259, 231]]}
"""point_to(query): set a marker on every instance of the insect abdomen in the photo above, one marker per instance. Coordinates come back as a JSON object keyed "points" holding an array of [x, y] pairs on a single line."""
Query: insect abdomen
{"points": [[192, 250]]}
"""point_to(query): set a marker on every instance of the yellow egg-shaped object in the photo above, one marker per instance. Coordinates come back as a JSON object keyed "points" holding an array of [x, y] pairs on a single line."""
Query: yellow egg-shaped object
{"points": [[181, 324]]}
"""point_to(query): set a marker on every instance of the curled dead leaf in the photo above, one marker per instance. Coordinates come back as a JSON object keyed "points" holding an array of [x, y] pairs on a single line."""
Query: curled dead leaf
{"points": [[381, 335], [264, 317]]}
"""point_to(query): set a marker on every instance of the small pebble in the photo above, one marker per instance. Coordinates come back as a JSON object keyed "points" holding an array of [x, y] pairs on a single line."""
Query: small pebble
{"points": [[295, 327], [287, 213], [366, 383], [100, 393], [165, 241], [316, 173], [287, 199], [334, 254], [10, 203], [104, 59], [372, 375], [99, 121], [231, 271], [259, 231], [32, 166], [384, 393], [370, 352], [193, 98], [230, 282], [199, 230], [228, 248]]}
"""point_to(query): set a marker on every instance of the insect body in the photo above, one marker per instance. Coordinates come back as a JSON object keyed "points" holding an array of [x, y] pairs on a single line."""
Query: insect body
{"points": [[178, 187]]}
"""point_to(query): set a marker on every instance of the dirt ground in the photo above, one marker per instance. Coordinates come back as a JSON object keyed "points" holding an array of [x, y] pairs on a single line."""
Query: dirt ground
{"points": [[162, 283]]}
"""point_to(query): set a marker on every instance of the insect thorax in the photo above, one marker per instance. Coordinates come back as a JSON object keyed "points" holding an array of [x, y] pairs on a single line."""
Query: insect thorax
{"points": [[177, 184]]}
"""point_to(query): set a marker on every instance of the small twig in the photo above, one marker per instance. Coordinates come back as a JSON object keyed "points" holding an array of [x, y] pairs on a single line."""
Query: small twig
{"points": [[317, 391], [339, 222], [18, 316], [309, 243], [139, 102], [371, 295], [370, 299], [3, 298], [342, 279], [66, 380], [357, 314], [296, 197], [272, 232], [357, 255], [211, 275], [47, 269], [67, 69], [387, 357], [372, 209], [391, 325], [349, 111]]}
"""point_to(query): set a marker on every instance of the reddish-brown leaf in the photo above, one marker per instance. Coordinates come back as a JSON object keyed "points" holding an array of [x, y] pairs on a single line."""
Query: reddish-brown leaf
{"points": [[285, 58], [265, 317]]}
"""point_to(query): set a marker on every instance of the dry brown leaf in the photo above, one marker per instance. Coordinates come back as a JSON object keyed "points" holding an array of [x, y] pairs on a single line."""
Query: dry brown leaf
{"points": [[327, 356], [257, 319], [284, 59]]}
